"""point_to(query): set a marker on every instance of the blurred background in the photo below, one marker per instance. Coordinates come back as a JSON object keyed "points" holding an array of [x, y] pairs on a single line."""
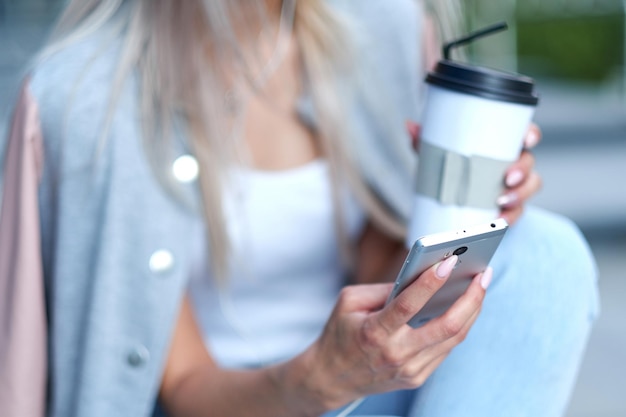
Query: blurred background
{"points": [[576, 51]]}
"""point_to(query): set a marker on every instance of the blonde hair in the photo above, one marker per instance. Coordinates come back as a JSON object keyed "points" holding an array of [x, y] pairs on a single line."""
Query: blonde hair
{"points": [[170, 43], [449, 16]]}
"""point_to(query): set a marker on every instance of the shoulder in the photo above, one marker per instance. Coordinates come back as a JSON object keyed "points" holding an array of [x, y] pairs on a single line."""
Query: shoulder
{"points": [[387, 38], [391, 19], [73, 87], [387, 35], [382, 11], [84, 66]]}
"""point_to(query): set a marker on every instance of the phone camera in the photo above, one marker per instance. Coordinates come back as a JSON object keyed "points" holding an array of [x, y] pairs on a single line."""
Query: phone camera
{"points": [[460, 251]]}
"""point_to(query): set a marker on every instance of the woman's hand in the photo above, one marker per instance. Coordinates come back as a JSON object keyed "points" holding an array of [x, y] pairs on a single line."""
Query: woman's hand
{"points": [[521, 180], [368, 349]]}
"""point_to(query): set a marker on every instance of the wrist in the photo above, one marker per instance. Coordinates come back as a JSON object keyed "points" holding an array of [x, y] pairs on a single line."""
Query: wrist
{"points": [[300, 385]]}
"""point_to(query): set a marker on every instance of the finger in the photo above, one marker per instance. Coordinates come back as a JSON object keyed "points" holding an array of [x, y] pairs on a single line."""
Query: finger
{"points": [[423, 358], [414, 131], [517, 196], [411, 300], [512, 215], [519, 170], [512, 203], [438, 353], [428, 370], [454, 320], [533, 136], [445, 347]]}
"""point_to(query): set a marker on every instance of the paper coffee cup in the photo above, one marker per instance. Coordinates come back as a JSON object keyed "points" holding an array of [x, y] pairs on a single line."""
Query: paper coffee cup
{"points": [[473, 125]]}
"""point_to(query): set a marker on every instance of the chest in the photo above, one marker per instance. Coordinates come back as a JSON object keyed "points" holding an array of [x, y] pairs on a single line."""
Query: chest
{"points": [[273, 135]]}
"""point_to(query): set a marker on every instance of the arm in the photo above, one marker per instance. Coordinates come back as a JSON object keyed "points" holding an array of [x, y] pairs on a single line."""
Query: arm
{"points": [[364, 349], [194, 385], [23, 332]]}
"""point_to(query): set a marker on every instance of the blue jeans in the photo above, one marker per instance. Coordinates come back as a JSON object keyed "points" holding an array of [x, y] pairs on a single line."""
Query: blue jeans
{"points": [[522, 356]]}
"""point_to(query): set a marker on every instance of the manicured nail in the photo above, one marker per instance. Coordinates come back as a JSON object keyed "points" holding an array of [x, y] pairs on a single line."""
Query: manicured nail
{"points": [[485, 279], [507, 200], [532, 138], [413, 128], [514, 178], [445, 267]]}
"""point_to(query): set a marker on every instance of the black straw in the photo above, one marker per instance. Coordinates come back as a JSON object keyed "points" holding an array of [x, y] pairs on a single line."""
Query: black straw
{"points": [[472, 36]]}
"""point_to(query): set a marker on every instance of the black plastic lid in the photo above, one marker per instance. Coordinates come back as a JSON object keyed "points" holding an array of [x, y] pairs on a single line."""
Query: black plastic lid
{"points": [[483, 82]]}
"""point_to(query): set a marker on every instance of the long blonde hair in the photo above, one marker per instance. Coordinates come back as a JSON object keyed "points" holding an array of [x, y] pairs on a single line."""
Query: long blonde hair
{"points": [[450, 23], [168, 42], [450, 17]]}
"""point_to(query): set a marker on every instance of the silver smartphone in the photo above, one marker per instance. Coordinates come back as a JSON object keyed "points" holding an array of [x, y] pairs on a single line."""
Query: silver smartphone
{"points": [[474, 246]]}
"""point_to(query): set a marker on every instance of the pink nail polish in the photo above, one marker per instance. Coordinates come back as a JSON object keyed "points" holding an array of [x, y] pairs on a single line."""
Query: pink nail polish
{"points": [[486, 277], [445, 267], [507, 200], [531, 139], [514, 178]]}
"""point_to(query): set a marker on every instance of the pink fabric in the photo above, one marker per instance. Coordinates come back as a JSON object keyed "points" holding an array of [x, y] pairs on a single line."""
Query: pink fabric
{"points": [[23, 357]]}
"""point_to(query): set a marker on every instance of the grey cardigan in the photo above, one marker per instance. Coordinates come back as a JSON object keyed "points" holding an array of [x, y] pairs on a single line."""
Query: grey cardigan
{"points": [[114, 253]]}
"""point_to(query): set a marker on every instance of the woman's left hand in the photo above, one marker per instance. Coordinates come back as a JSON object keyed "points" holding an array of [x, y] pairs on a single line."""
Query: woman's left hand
{"points": [[521, 180]]}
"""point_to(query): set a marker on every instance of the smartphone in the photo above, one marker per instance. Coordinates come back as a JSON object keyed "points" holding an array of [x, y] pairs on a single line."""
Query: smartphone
{"points": [[474, 246]]}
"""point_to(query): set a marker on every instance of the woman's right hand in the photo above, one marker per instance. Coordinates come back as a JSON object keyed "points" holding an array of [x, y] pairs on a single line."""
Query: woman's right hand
{"points": [[367, 348], [364, 349]]}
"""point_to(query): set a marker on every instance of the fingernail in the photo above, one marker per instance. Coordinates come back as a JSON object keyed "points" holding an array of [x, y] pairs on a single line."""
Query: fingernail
{"points": [[445, 267], [485, 279], [532, 138], [514, 178], [413, 128], [507, 200]]}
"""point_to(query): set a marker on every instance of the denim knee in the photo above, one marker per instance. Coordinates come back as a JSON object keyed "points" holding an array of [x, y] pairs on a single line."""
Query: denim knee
{"points": [[550, 250]]}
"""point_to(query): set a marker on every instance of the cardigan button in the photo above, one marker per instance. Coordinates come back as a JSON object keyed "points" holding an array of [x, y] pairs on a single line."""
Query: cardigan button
{"points": [[138, 356], [185, 168], [161, 261]]}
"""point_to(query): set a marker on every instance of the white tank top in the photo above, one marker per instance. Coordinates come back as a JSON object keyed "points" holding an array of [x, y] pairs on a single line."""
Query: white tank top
{"points": [[285, 266]]}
